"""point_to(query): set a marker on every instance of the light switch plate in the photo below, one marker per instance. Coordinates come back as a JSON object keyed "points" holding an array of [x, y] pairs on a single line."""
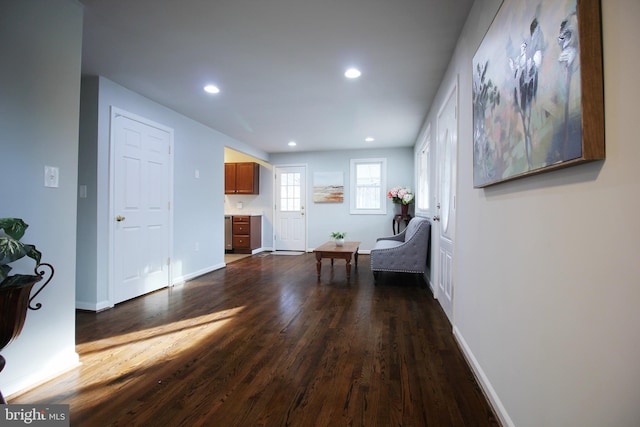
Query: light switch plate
{"points": [[51, 174]]}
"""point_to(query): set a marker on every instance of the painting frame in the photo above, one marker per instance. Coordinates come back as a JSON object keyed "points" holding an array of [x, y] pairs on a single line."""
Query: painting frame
{"points": [[538, 90]]}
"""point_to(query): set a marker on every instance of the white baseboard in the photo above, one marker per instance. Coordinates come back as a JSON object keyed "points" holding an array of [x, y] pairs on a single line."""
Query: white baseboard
{"points": [[186, 277], [485, 384], [103, 305], [54, 367], [433, 289], [90, 306]]}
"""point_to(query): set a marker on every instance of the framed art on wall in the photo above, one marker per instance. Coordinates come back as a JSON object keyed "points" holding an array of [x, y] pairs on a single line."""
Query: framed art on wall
{"points": [[328, 187], [538, 98]]}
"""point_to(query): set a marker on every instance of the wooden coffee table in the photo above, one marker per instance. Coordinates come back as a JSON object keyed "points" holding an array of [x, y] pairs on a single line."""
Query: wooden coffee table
{"points": [[330, 250]]}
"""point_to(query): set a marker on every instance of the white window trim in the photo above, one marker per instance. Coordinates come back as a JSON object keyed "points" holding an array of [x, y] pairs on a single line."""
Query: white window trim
{"points": [[383, 186], [426, 140]]}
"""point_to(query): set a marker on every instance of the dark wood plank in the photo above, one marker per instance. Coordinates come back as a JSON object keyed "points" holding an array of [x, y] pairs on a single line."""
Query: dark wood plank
{"points": [[263, 342]]}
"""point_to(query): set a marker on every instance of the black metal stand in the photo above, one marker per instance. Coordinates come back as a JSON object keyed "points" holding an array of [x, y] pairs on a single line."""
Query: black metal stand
{"points": [[14, 302]]}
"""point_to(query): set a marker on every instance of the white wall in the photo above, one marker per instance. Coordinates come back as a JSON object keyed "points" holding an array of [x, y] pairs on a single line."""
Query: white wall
{"points": [[324, 218], [39, 108], [198, 202], [547, 268]]}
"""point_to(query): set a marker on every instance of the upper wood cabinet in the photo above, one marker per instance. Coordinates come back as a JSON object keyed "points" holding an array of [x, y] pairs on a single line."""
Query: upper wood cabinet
{"points": [[230, 178], [242, 178]]}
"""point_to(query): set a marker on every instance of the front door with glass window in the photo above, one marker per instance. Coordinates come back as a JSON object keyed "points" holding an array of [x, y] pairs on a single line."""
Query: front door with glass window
{"points": [[445, 219], [290, 225]]}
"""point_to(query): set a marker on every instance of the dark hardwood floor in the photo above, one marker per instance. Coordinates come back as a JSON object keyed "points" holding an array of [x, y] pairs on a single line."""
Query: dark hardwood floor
{"points": [[263, 342]]}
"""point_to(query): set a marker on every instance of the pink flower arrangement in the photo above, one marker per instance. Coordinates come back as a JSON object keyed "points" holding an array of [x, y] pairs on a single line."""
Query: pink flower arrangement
{"points": [[401, 195]]}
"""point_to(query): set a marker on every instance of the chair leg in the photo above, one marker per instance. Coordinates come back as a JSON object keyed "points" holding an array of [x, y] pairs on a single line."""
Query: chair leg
{"points": [[375, 275]]}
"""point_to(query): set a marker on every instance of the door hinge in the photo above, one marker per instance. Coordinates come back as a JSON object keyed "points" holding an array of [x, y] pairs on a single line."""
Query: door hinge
{"points": [[168, 260], [168, 206], [169, 149]]}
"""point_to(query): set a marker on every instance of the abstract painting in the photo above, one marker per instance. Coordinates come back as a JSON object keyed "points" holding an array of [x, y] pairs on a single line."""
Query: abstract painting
{"points": [[328, 187], [538, 100]]}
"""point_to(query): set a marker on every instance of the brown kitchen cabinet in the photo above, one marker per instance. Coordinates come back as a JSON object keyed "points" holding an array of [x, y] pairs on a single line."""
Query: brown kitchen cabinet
{"points": [[242, 178], [247, 233]]}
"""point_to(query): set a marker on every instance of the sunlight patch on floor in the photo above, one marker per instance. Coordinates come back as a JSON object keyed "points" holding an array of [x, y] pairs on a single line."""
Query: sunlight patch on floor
{"points": [[234, 257], [130, 351]]}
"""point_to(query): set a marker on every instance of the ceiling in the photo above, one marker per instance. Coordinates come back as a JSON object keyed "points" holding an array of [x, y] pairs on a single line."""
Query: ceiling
{"points": [[280, 64]]}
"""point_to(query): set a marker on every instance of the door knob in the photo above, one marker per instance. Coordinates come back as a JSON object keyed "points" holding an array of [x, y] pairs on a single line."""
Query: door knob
{"points": [[436, 218], [120, 218]]}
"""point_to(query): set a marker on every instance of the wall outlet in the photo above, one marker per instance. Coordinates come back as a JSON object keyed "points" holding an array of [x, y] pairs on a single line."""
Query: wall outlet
{"points": [[51, 174]]}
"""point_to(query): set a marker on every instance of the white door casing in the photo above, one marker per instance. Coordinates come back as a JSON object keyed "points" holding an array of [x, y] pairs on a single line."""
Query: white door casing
{"points": [[290, 233], [426, 196], [141, 195], [445, 219]]}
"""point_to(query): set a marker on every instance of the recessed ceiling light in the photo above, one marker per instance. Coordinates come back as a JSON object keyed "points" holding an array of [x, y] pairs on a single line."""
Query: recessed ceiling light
{"points": [[292, 144], [369, 139], [352, 73], [211, 89]]}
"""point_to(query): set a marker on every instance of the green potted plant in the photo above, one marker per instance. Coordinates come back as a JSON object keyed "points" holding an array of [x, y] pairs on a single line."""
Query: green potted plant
{"points": [[339, 237], [12, 249], [16, 289]]}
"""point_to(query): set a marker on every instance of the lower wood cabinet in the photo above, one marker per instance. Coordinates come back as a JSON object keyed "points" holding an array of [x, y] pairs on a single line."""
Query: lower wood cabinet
{"points": [[247, 233]]}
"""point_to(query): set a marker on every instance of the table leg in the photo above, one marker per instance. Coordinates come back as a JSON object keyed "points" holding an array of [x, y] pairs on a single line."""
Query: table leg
{"points": [[348, 258], [318, 263], [355, 255]]}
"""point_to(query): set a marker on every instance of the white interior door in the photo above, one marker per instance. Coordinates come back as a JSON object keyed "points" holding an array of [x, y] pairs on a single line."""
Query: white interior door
{"points": [[444, 221], [141, 190], [290, 224]]}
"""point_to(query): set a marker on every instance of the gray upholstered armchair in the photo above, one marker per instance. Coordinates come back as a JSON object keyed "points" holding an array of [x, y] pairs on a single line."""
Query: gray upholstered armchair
{"points": [[404, 252]]}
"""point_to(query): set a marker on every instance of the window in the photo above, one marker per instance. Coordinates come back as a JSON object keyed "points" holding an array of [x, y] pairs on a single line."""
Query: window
{"points": [[368, 183], [290, 192], [423, 169]]}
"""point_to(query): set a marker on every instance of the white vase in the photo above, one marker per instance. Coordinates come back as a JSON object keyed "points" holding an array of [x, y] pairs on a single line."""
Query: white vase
{"points": [[339, 242]]}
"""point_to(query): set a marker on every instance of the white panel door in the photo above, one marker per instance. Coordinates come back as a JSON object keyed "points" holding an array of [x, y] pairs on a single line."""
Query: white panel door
{"points": [[290, 195], [444, 221], [141, 202]]}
